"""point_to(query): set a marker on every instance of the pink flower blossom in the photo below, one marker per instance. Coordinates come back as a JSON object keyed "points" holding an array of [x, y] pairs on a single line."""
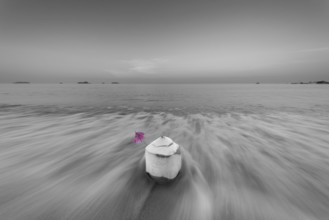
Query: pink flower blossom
{"points": [[139, 137]]}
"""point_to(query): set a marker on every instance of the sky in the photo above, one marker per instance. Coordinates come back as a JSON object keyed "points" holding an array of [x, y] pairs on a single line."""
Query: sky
{"points": [[146, 41]]}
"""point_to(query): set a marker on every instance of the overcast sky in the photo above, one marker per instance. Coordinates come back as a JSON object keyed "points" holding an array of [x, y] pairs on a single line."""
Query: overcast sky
{"points": [[164, 41]]}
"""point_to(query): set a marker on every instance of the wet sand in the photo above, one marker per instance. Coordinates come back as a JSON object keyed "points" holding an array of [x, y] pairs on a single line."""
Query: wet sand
{"points": [[236, 166]]}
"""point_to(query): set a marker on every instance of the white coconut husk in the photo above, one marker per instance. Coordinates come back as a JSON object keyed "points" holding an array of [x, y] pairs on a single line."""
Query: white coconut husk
{"points": [[163, 158]]}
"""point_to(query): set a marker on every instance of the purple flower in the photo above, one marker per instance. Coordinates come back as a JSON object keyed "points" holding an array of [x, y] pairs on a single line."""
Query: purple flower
{"points": [[139, 137]]}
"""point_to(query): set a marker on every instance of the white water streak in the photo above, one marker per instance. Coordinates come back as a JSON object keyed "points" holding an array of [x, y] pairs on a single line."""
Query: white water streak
{"points": [[236, 166]]}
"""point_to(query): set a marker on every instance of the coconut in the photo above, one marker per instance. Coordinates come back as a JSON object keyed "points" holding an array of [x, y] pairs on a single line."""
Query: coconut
{"points": [[163, 159]]}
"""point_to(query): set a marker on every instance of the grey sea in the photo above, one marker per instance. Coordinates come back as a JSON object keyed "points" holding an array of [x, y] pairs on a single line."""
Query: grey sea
{"points": [[250, 151]]}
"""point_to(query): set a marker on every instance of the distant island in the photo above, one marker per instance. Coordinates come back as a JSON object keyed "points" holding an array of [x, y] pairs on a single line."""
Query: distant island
{"points": [[316, 82], [115, 82], [84, 82], [21, 82]]}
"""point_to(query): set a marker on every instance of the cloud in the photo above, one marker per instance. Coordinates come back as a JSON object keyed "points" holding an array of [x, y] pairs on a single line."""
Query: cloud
{"points": [[146, 65], [319, 49], [310, 55]]}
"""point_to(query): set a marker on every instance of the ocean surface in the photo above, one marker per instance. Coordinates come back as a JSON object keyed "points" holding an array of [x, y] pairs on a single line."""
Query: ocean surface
{"points": [[250, 152]]}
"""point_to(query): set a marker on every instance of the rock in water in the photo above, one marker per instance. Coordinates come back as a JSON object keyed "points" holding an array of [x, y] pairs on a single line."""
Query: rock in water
{"points": [[163, 159]]}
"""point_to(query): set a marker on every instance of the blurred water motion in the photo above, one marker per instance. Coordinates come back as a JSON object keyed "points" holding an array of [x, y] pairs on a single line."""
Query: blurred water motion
{"points": [[65, 163], [236, 166]]}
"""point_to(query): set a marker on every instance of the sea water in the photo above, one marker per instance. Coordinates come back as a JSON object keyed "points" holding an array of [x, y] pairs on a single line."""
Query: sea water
{"points": [[249, 151]]}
